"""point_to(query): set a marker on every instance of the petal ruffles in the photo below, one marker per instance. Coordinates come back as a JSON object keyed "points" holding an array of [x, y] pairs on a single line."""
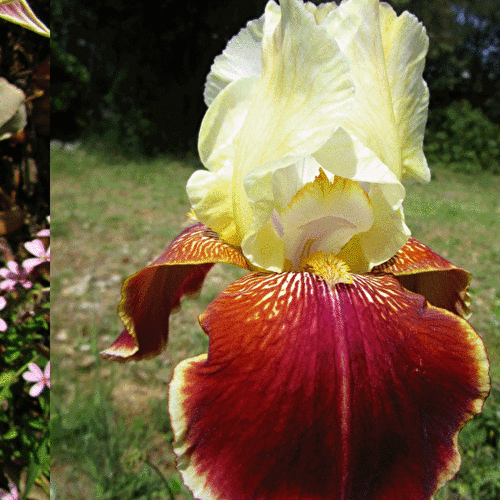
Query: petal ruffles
{"points": [[310, 391], [423, 271], [150, 295]]}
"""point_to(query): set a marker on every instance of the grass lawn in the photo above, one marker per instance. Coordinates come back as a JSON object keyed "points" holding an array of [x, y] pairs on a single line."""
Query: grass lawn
{"points": [[110, 428]]}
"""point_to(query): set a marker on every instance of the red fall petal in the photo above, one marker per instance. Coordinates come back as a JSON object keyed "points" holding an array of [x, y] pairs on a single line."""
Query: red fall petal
{"points": [[423, 271], [150, 296], [310, 391]]}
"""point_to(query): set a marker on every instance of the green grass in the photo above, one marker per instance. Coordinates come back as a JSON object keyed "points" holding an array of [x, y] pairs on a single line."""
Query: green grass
{"points": [[110, 429]]}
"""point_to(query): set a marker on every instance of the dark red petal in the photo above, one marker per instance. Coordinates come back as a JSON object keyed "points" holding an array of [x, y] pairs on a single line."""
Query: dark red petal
{"points": [[149, 296], [423, 271], [355, 392]]}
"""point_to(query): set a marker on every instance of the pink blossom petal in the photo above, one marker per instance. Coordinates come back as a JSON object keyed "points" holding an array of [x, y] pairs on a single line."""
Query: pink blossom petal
{"points": [[3, 325], [12, 265], [35, 247], [7, 285], [34, 374], [13, 495], [30, 264], [37, 389]]}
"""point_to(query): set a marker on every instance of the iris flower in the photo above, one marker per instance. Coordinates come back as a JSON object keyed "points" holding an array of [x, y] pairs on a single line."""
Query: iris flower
{"points": [[341, 366]]}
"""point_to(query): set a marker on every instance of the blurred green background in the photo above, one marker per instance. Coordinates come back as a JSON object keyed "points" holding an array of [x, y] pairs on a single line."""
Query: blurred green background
{"points": [[136, 84]]}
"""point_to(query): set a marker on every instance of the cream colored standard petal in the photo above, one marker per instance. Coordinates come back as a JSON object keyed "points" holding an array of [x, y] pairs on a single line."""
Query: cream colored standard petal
{"points": [[321, 11], [264, 248], [386, 58], [208, 194], [405, 46], [304, 94], [241, 58], [388, 234], [342, 24], [218, 138], [279, 181], [372, 118], [345, 155], [324, 216], [270, 189]]}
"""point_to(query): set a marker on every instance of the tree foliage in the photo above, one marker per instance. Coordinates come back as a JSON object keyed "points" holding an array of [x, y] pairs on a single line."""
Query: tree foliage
{"points": [[139, 82]]}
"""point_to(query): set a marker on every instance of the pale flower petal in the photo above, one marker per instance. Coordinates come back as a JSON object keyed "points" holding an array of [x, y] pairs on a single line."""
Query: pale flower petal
{"points": [[35, 247], [303, 95], [387, 54], [35, 374], [208, 193], [36, 390], [388, 234], [46, 374], [270, 189], [222, 123], [405, 45], [322, 216], [241, 58]]}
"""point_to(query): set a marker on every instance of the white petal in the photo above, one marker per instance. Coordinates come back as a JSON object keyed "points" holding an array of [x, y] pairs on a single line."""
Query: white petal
{"points": [[218, 139], [387, 235], [208, 194], [269, 188], [405, 46], [303, 96], [264, 248], [241, 58], [386, 57], [345, 155], [324, 216]]}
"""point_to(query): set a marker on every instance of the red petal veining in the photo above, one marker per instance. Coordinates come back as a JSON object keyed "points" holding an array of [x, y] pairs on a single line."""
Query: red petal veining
{"points": [[150, 296], [423, 271], [308, 392]]}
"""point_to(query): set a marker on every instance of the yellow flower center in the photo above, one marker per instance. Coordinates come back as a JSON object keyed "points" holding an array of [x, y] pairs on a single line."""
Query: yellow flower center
{"points": [[327, 266]]}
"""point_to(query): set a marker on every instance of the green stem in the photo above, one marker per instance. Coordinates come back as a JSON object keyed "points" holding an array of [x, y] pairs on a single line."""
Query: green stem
{"points": [[165, 482]]}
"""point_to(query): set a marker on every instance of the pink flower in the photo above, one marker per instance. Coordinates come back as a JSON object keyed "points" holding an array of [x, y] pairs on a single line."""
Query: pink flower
{"points": [[13, 495], [12, 276], [42, 379], [36, 248], [3, 324]]}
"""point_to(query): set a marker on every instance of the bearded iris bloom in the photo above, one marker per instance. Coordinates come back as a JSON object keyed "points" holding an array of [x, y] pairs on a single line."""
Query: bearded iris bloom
{"points": [[341, 366]]}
